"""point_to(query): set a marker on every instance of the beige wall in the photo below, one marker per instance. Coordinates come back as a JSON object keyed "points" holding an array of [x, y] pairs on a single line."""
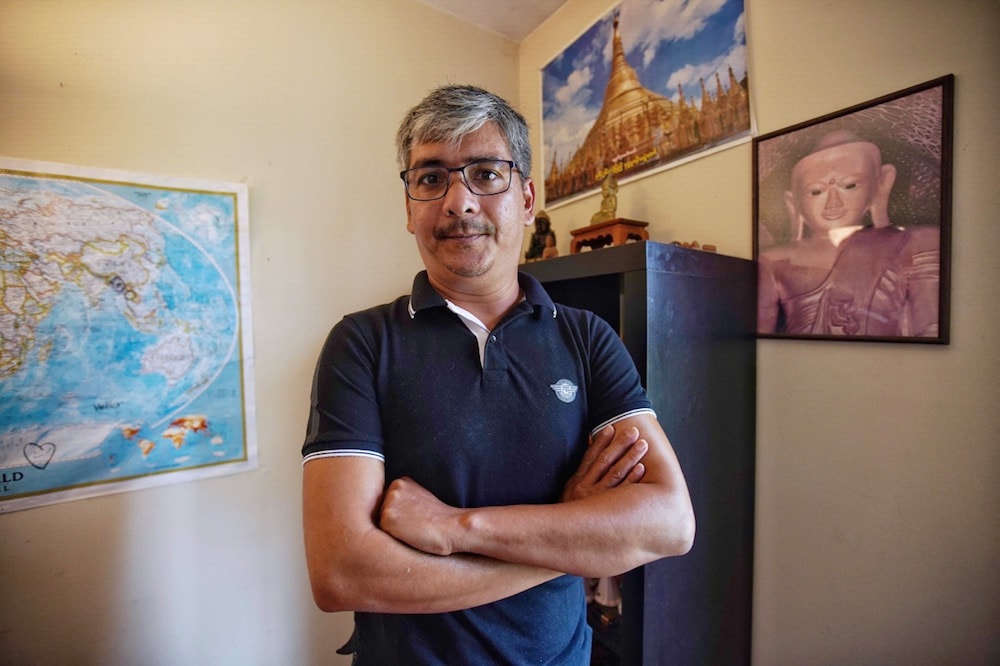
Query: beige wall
{"points": [[878, 505], [300, 100], [878, 527]]}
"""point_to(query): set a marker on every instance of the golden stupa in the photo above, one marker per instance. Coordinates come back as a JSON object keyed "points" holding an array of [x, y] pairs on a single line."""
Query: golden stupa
{"points": [[637, 128]]}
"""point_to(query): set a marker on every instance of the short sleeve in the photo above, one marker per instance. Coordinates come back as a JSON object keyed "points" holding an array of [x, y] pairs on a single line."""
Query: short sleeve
{"points": [[616, 389], [344, 411]]}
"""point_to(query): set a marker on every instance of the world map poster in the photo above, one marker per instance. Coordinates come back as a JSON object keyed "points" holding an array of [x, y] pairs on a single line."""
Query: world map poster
{"points": [[125, 338]]}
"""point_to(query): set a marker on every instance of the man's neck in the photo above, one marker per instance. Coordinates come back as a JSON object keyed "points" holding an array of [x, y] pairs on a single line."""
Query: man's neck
{"points": [[489, 305]]}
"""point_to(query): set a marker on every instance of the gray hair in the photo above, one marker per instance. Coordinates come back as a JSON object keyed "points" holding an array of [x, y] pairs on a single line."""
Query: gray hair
{"points": [[449, 113]]}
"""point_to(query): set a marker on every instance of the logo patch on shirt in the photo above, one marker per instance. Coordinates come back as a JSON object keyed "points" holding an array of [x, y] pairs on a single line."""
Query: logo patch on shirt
{"points": [[565, 390]]}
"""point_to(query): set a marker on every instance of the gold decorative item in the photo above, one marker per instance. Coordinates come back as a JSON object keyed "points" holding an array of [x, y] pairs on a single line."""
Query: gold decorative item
{"points": [[609, 201], [605, 228]]}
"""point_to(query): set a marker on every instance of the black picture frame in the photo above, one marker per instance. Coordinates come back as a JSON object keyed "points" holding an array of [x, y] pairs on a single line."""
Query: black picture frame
{"points": [[852, 221]]}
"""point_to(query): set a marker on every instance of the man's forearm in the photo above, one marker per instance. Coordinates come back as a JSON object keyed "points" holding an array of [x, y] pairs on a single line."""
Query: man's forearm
{"points": [[403, 580], [601, 534], [354, 565], [598, 536]]}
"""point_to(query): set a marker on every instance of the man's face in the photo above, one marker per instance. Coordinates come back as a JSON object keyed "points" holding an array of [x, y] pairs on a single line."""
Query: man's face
{"points": [[464, 234], [835, 187]]}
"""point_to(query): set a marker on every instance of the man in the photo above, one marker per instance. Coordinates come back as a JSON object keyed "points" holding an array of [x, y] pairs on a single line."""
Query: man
{"points": [[848, 270], [446, 488]]}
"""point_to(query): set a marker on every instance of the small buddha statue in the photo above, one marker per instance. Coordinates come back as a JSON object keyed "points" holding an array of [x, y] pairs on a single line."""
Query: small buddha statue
{"points": [[609, 201], [542, 239]]}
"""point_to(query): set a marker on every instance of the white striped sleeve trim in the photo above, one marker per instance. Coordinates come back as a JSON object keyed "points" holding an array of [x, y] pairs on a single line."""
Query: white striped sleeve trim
{"points": [[618, 418], [344, 453]]}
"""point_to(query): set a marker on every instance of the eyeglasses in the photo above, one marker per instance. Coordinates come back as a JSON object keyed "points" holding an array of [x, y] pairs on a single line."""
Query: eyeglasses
{"points": [[482, 177]]}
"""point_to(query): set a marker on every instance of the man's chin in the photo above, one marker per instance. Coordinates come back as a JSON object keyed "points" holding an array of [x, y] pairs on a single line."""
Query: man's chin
{"points": [[469, 263], [469, 271]]}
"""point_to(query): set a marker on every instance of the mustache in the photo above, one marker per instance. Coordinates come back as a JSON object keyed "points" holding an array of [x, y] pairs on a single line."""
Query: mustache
{"points": [[466, 228]]}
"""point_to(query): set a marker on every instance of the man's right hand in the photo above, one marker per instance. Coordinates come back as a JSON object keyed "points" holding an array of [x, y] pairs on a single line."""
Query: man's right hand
{"points": [[612, 459]]}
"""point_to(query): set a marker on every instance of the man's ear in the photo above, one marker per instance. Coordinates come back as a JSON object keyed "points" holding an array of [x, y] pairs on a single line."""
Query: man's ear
{"points": [[409, 223], [529, 202]]}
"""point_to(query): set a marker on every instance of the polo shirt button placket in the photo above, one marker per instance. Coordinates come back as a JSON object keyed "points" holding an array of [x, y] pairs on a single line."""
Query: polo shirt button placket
{"points": [[491, 341], [494, 368]]}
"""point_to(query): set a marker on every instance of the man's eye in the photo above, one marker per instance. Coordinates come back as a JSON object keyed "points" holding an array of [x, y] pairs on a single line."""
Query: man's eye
{"points": [[430, 178], [485, 174]]}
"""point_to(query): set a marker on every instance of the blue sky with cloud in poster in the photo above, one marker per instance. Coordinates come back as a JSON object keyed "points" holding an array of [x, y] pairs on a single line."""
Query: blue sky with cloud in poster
{"points": [[669, 43]]}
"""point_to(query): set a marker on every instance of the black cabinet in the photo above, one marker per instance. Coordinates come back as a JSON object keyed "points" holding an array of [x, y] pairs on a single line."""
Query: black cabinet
{"points": [[688, 318]]}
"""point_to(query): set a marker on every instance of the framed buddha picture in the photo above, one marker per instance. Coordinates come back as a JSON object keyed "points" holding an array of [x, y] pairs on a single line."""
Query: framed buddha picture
{"points": [[852, 221]]}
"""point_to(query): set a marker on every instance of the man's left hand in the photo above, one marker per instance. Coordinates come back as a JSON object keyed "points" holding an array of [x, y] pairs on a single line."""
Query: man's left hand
{"points": [[612, 459], [413, 515]]}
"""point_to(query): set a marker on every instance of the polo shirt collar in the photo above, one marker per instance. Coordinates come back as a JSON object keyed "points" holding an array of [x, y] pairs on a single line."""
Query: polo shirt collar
{"points": [[535, 294], [424, 296]]}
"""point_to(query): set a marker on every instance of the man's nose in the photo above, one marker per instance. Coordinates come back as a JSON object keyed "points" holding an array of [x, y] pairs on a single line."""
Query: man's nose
{"points": [[459, 199]]}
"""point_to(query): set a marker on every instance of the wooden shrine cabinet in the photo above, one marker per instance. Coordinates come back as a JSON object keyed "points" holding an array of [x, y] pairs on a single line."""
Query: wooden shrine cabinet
{"points": [[688, 319]]}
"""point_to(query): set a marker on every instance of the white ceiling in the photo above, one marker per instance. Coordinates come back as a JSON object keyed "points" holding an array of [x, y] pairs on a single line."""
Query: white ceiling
{"points": [[514, 19]]}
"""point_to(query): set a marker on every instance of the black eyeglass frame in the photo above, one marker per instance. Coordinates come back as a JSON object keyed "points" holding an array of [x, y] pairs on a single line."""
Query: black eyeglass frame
{"points": [[465, 180]]}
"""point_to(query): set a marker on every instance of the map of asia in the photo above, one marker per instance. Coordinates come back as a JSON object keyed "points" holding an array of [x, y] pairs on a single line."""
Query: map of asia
{"points": [[125, 348]]}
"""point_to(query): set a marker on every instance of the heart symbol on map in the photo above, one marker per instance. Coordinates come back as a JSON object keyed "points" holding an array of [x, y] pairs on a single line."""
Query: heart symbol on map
{"points": [[39, 455]]}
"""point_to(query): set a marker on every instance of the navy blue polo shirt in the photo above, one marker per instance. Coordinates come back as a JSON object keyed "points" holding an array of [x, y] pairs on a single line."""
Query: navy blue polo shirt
{"points": [[403, 383]]}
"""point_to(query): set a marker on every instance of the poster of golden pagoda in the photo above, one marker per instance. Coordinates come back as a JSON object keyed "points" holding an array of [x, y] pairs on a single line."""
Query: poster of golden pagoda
{"points": [[652, 84]]}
